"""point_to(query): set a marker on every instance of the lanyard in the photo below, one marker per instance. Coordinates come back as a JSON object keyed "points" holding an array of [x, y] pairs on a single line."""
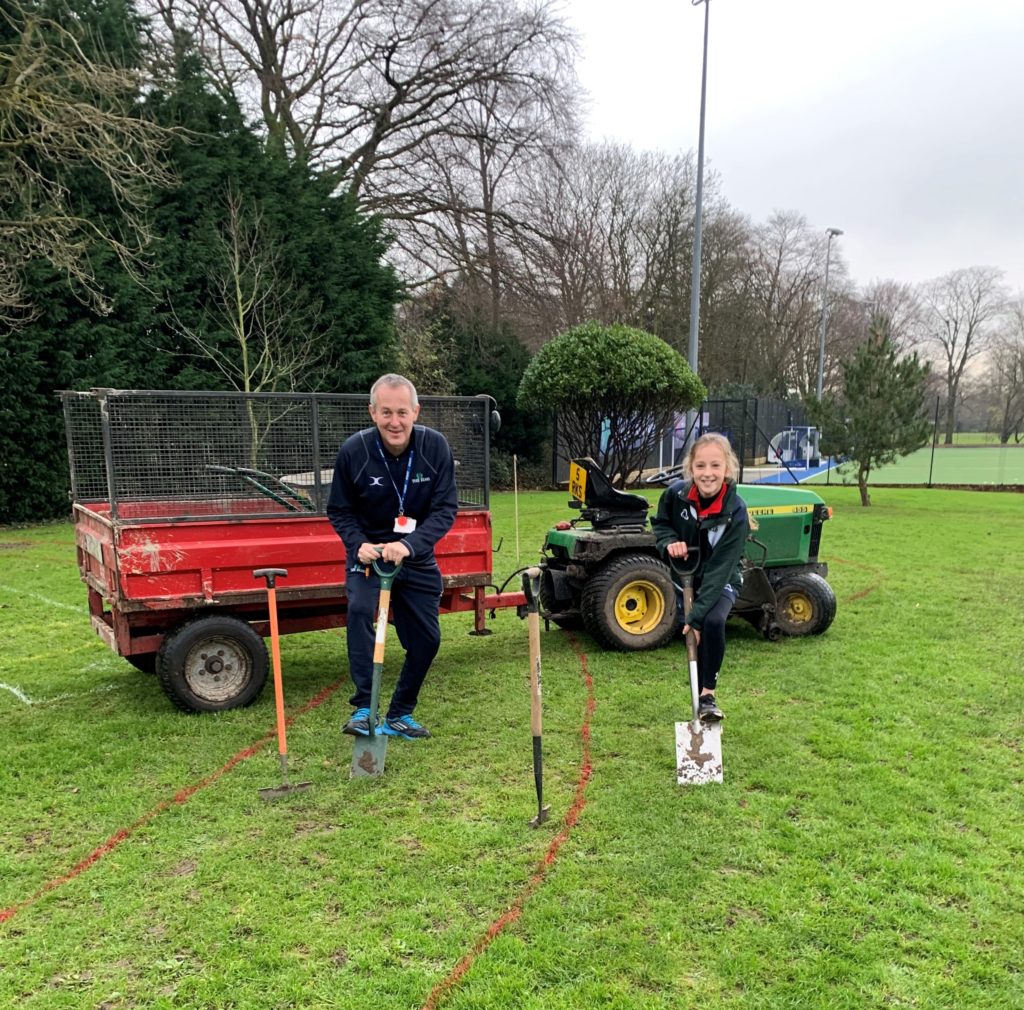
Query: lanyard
{"points": [[405, 486]]}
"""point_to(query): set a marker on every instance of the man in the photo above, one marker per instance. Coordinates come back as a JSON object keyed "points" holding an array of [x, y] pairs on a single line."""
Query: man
{"points": [[392, 498]]}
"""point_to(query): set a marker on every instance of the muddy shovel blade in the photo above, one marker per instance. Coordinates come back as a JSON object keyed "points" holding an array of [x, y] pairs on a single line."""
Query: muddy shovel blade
{"points": [[698, 753], [368, 756]]}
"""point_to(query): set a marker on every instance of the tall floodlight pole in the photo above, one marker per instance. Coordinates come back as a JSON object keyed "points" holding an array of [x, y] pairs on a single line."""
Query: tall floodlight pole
{"points": [[698, 207], [832, 233]]}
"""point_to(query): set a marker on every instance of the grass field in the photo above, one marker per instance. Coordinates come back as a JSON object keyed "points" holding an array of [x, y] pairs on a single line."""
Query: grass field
{"points": [[976, 464], [865, 851], [975, 437]]}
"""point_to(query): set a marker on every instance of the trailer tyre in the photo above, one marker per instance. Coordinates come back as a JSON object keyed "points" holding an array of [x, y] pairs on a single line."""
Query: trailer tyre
{"points": [[630, 603], [804, 604], [213, 664]]}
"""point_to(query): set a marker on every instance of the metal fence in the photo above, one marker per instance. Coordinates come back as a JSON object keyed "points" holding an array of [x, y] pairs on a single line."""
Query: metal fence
{"points": [[749, 424], [151, 454]]}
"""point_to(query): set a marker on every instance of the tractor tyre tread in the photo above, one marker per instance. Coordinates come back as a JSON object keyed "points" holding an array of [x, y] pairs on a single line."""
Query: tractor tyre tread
{"points": [[816, 592], [597, 603]]}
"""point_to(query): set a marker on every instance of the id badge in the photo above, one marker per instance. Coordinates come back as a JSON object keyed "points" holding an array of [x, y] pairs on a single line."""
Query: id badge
{"points": [[404, 524]]}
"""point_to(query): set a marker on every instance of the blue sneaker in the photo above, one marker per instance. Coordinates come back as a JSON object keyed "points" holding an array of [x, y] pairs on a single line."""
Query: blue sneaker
{"points": [[404, 725], [359, 724]]}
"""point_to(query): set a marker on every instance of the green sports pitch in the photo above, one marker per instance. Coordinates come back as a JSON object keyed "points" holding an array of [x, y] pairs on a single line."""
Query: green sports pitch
{"points": [[983, 464]]}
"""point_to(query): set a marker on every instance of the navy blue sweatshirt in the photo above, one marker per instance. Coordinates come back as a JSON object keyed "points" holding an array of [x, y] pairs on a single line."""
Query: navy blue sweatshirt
{"points": [[364, 493]]}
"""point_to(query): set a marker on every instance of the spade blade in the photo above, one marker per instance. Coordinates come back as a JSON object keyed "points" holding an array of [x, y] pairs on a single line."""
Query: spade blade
{"points": [[368, 756], [698, 753]]}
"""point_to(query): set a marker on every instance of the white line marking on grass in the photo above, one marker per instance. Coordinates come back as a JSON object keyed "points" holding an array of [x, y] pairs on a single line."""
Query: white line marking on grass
{"points": [[20, 695], [102, 689], [42, 599], [25, 699]]}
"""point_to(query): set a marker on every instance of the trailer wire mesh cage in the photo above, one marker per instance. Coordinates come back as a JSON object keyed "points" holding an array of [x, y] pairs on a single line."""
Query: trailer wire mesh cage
{"points": [[162, 454]]}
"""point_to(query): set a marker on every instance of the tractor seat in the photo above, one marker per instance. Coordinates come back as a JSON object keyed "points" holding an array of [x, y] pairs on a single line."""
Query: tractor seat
{"points": [[604, 505]]}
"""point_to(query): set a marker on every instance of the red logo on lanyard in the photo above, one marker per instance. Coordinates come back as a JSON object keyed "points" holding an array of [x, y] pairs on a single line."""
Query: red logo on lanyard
{"points": [[401, 521]]}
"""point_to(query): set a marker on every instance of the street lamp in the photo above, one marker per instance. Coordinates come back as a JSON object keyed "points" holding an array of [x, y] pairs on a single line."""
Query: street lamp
{"points": [[832, 233], [698, 207]]}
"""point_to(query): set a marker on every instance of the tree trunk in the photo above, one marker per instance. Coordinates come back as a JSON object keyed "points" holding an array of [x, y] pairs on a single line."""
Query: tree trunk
{"points": [[862, 484]]}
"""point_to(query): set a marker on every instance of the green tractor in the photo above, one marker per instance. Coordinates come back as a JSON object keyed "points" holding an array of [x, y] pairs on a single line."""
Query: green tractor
{"points": [[607, 576]]}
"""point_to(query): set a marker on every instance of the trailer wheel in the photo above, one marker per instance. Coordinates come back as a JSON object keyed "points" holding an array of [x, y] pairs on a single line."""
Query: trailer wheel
{"points": [[804, 604], [212, 664], [630, 603]]}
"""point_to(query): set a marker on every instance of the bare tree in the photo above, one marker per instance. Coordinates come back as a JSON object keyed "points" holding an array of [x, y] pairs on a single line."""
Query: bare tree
{"points": [[473, 175], [725, 251], [962, 309], [61, 111], [358, 89], [558, 264], [1006, 375], [900, 305], [255, 332], [611, 240], [783, 287]]}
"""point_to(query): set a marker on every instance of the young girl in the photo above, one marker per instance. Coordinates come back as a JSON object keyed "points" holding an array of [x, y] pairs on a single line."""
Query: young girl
{"points": [[706, 513]]}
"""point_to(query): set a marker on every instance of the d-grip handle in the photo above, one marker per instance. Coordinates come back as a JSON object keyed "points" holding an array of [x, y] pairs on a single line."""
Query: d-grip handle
{"points": [[270, 574]]}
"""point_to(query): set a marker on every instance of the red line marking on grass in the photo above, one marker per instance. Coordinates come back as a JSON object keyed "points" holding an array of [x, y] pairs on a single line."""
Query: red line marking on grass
{"points": [[861, 593], [854, 564], [515, 910], [181, 796]]}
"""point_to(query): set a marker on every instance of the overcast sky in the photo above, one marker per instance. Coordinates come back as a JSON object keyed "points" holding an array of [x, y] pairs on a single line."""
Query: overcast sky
{"points": [[899, 121]]}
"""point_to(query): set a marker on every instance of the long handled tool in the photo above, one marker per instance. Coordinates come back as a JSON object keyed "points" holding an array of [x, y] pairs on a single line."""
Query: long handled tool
{"points": [[531, 587], [370, 751], [274, 792], [698, 744]]}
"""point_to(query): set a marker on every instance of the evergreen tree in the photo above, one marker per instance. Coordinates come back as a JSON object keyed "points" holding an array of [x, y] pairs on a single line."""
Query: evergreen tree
{"points": [[332, 288], [331, 256], [879, 415], [68, 342], [483, 358]]}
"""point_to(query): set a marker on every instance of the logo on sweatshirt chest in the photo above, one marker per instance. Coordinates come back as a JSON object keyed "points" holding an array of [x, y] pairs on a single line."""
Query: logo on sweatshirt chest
{"points": [[421, 478]]}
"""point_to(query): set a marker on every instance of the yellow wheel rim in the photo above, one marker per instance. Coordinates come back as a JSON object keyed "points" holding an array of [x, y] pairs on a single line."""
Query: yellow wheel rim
{"points": [[639, 607], [799, 609]]}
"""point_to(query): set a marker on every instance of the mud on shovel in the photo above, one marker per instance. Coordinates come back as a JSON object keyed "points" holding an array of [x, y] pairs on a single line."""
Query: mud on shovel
{"points": [[274, 792], [698, 744], [370, 751], [531, 587]]}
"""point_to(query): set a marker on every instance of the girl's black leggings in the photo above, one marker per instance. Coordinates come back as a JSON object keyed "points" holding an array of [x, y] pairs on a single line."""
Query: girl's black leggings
{"points": [[711, 650]]}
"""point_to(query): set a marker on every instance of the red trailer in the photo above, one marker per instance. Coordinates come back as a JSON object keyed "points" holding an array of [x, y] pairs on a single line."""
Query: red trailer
{"points": [[178, 497]]}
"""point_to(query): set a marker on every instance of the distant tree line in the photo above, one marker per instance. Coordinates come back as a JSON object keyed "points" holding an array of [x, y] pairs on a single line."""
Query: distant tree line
{"points": [[263, 195]]}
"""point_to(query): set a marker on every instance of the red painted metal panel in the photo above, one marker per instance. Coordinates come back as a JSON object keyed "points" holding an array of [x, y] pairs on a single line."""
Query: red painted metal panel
{"points": [[159, 563]]}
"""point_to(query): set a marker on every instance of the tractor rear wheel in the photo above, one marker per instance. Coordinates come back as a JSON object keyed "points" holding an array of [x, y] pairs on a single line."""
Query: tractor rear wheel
{"points": [[804, 604], [630, 603], [213, 664]]}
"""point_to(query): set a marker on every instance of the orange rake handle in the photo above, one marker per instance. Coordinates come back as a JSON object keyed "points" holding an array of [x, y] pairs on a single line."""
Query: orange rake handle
{"points": [[271, 575]]}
